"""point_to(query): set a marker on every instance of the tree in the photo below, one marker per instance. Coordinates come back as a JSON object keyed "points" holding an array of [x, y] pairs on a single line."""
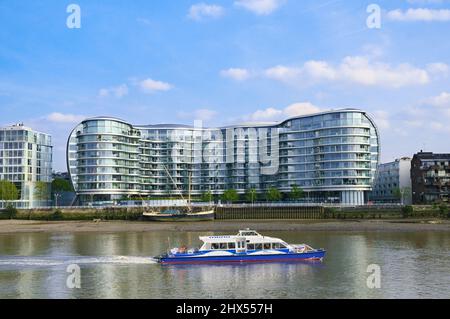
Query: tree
{"points": [[251, 195], [297, 193], [230, 196], [273, 195], [8, 191], [207, 197], [60, 185], [41, 191], [397, 193]]}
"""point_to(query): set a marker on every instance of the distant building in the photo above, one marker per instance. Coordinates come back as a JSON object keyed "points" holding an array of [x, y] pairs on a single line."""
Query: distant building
{"points": [[25, 159], [430, 175], [393, 179]]}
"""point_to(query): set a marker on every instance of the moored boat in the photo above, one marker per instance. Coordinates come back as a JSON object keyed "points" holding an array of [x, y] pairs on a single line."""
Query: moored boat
{"points": [[246, 246], [175, 215]]}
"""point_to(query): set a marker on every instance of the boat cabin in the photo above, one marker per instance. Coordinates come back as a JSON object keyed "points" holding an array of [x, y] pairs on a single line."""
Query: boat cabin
{"points": [[245, 240]]}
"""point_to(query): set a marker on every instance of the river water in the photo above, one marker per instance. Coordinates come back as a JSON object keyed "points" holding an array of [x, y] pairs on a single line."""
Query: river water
{"points": [[118, 265]]}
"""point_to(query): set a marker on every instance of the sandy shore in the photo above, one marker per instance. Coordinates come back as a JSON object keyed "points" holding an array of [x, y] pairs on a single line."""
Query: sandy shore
{"points": [[16, 226]]}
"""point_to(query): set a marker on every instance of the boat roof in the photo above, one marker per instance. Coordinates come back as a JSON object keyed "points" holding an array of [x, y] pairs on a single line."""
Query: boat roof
{"points": [[248, 234]]}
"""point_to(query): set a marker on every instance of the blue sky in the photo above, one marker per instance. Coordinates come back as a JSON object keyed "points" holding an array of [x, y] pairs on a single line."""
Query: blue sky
{"points": [[228, 61]]}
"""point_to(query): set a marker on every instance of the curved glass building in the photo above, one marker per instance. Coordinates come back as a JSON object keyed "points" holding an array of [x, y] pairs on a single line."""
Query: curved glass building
{"points": [[332, 156]]}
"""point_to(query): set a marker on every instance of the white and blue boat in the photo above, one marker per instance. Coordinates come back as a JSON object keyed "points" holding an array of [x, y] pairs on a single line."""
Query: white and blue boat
{"points": [[246, 246]]}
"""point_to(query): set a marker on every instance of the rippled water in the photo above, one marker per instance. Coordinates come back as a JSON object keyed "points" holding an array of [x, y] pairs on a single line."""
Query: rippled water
{"points": [[119, 265]]}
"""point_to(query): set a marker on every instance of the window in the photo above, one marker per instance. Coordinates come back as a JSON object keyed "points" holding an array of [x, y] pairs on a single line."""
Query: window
{"points": [[258, 246], [231, 245], [251, 246], [215, 246], [276, 246], [223, 246], [266, 246]]}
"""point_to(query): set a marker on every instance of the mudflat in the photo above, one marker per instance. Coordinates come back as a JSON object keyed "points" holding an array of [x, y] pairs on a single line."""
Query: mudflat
{"points": [[20, 226]]}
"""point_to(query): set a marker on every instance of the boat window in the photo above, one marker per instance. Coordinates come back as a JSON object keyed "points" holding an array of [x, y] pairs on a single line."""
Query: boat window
{"points": [[249, 234], [283, 246], [215, 246], [276, 246], [223, 246], [251, 246], [231, 245], [258, 246], [267, 246]]}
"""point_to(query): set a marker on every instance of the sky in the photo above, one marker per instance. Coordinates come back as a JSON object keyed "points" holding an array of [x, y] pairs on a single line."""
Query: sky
{"points": [[227, 62]]}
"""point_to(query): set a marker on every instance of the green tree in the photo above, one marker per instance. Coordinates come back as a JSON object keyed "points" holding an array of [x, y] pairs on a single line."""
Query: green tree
{"points": [[41, 191], [207, 196], [8, 191], [397, 193], [251, 195], [273, 195], [230, 196], [60, 185], [296, 192]]}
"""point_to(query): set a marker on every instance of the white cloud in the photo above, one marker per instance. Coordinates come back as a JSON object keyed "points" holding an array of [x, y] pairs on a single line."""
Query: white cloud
{"points": [[236, 74], [200, 11], [274, 114], [420, 14], [441, 101], [64, 118], [200, 114], [151, 86], [426, 1], [382, 119], [438, 69], [283, 73], [119, 91], [355, 69], [260, 7]]}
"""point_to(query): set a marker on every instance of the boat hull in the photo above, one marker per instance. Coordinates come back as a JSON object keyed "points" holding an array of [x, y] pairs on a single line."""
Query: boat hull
{"points": [[200, 217], [244, 258]]}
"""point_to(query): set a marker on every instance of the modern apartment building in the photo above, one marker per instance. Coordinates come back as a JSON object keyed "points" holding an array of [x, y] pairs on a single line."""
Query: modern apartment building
{"points": [[430, 175], [393, 182], [25, 160], [332, 156]]}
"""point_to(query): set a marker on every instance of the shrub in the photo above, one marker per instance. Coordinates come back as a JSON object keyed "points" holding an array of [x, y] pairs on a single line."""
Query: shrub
{"points": [[443, 209], [10, 212], [407, 211], [57, 215]]}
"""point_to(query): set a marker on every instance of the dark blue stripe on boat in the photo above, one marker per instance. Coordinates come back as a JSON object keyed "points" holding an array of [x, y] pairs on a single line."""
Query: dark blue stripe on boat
{"points": [[316, 255]]}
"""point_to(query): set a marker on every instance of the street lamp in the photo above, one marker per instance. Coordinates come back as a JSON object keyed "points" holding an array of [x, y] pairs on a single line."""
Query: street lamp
{"points": [[56, 199]]}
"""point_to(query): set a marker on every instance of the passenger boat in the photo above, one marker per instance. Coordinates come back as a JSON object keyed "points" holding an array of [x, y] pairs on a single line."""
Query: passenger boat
{"points": [[246, 246]]}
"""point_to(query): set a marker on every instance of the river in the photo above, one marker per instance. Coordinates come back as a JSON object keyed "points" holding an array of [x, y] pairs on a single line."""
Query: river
{"points": [[119, 265]]}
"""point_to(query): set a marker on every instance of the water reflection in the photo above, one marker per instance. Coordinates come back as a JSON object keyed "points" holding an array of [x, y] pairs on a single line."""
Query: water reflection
{"points": [[119, 265]]}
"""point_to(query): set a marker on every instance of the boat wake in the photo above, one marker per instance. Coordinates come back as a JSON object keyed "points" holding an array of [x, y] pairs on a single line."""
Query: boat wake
{"points": [[26, 262]]}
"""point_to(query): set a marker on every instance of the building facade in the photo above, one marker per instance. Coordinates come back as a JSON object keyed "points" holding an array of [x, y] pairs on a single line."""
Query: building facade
{"points": [[393, 182], [332, 156], [26, 161], [430, 175]]}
